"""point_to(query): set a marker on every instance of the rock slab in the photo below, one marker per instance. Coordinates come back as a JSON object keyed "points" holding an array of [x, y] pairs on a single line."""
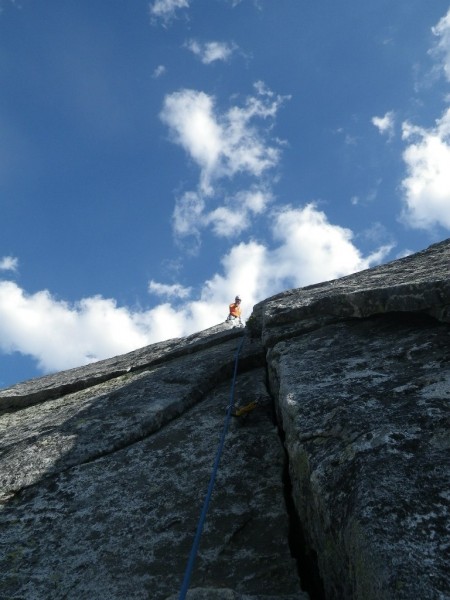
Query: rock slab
{"points": [[102, 488]]}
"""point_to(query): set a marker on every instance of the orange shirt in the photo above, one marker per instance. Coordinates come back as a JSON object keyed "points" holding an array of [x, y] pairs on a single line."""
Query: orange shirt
{"points": [[235, 309]]}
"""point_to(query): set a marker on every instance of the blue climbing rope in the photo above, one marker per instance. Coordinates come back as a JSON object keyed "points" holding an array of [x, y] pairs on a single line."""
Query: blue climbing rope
{"points": [[201, 522]]}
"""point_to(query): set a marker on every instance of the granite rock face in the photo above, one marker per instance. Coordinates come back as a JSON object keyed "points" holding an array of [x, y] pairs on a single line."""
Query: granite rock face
{"points": [[361, 376], [104, 468], [102, 487], [365, 409]]}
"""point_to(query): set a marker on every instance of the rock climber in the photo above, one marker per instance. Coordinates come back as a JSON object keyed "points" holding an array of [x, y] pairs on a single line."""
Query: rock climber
{"points": [[235, 310]]}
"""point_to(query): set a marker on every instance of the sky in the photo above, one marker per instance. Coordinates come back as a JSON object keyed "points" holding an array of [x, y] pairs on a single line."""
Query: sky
{"points": [[158, 158]]}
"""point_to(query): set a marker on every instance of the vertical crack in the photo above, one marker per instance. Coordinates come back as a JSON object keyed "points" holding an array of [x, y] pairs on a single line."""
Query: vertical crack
{"points": [[304, 556]]}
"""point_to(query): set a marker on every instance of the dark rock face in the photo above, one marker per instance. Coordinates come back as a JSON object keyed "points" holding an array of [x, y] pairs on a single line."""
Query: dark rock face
{"points": [[104, 468], [365, 409], [102, 488]]}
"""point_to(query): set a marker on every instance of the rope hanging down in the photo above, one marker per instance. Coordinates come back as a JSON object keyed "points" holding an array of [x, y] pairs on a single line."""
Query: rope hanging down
{"points": [[201, 522]]}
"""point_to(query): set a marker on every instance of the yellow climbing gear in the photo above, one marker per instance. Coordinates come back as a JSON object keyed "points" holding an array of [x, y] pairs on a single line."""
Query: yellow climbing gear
{"points": [[243, 410]]}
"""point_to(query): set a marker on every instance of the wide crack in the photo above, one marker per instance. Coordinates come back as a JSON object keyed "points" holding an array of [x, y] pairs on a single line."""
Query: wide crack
{"points": [[304, 556]]}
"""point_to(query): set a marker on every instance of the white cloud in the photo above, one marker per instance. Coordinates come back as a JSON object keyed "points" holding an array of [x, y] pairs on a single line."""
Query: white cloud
{"points": [[427, 184], [308, 249], [312, 249], [255, 200], [442, 47], [222, 145], [234, 218], [41, 326], [171, 291], [159, 71], [385, 125], [166, 9], [190, 117], [226, 221], [244, 269], [209, 52], [9, 263]]}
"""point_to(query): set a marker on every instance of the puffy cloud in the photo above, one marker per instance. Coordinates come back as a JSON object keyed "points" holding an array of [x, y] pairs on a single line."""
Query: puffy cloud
{"points": [[226, 221], [40, 326], [9, 263], [427, 184], [209, 52], [171, 291], [442, 47], [308, 249], [166, 9], [244, 273], [190, 117], [234, 218], [385, 125], [255, 200], [312, 249], [222, 145]]}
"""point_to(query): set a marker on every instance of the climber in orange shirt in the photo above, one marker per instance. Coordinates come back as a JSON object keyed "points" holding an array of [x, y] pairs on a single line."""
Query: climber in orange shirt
{"points": [[235, 310]]}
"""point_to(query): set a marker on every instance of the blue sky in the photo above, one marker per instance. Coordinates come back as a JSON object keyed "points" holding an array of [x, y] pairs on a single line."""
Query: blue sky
{"points": [[158, 158]]}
